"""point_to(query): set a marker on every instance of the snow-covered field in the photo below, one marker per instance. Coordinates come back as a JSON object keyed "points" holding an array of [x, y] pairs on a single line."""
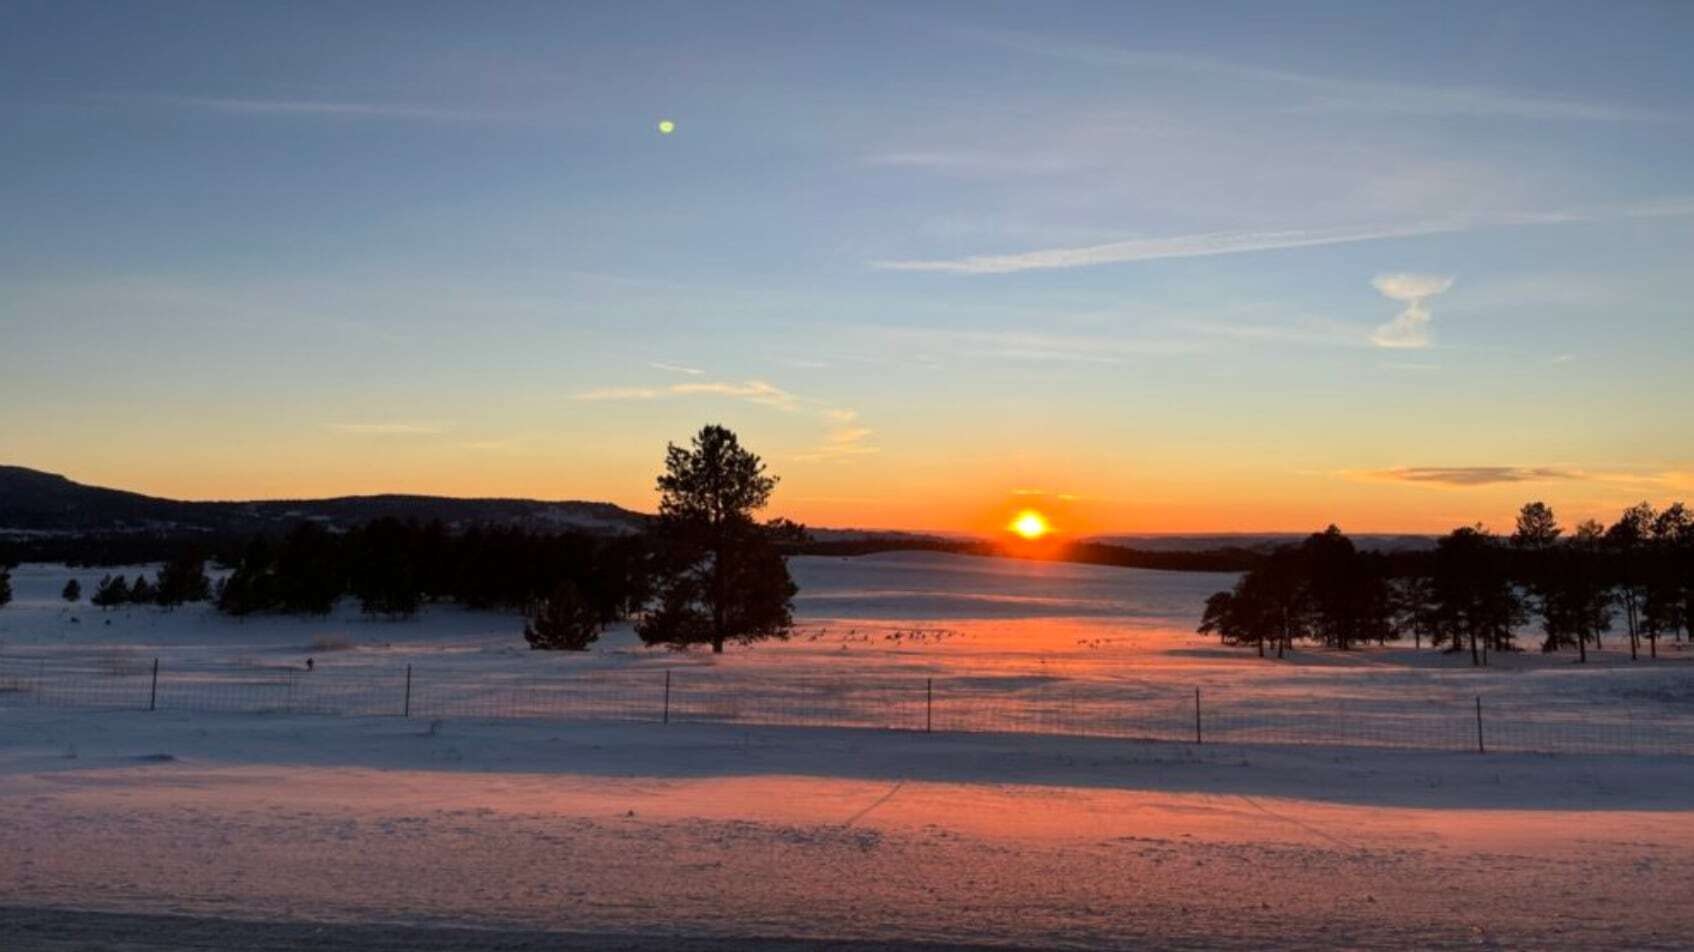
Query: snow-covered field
{"points": [[907, 641], [736, 828]]}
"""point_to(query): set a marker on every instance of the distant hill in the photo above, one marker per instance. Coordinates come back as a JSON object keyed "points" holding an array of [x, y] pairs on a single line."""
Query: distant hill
{"points": [[55, 511], [33, 502], [46, 517], [1260, 542]]}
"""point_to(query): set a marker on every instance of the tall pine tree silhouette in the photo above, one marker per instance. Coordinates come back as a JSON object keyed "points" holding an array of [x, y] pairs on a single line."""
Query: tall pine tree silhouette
{"points": [[720, 576]]}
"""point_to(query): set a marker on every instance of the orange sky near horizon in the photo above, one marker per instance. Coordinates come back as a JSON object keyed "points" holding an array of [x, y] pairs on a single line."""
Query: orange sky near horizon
{"points": [[977, 497]]}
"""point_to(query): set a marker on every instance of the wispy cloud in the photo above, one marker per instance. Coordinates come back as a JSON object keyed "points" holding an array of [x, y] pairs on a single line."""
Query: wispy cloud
{"points": [[983, 162], [388, 429], [1623, 477], [487, 446], [332, 109], [1302, 330], [675, 368], [1021, 345], [620, 393], [1668, 480], [1334, 94], [1470, 475], [1046, 494], [753, 391], [1409, 328], [1148, 249], [845, 435], [846, 438], [1239, 242]]}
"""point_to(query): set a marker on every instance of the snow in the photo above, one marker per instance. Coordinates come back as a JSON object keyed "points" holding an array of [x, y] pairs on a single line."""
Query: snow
{"points": [[737, 831], [715, 830], [904, 640]]}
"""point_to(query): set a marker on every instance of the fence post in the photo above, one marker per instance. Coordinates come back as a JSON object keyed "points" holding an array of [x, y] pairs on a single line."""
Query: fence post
{"points": [[667, 715], [153, 695], [1479, 748], [406, 711], [1198, 737], [928, 704]]}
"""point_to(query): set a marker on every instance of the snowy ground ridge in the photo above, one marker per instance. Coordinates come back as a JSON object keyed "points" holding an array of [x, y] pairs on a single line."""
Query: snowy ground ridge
{"points": [[1011, 704]]}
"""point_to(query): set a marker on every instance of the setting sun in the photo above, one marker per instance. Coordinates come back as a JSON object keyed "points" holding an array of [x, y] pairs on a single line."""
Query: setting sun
{"points": [[1030, 524]]}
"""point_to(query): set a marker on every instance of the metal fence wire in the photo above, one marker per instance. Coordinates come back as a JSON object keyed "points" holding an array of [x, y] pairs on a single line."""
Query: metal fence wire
{"points": [[1009, 704]]}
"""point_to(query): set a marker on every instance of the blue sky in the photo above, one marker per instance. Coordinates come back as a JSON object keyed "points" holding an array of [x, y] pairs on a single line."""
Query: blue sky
{"points": [[1166, 268]]}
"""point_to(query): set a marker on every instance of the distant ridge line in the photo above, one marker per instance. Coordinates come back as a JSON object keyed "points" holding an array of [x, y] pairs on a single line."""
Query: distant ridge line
{"points": [[36, 501]]}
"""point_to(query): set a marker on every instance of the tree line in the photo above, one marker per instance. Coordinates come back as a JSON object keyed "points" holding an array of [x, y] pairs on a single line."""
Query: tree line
{"points": [[179, 581], [706, 572], [394, 567], [1475, 590]]}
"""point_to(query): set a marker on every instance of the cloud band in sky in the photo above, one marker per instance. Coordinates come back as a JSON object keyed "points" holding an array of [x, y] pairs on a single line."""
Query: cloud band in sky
{"points": [[388, 429], [1147, 249], [1472, 475], [846, 437], [753, 391], [1228, 243]]}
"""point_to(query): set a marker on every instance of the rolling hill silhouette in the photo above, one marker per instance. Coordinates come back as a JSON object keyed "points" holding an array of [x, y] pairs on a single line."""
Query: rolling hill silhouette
{"points": [[34, 501]]}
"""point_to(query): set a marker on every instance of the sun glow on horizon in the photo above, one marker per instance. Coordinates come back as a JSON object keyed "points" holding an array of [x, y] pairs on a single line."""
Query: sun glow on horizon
{"points": [[1030, 525]]}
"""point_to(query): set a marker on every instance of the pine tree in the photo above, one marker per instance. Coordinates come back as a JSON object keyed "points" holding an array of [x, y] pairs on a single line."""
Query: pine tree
{"points": [[72, 592], [1578, 603], [1416, 610], [1270, 603], [236, 593], [249, 587], [1675, 532], [1474, 591], [383, 568], [1664, 608], [1348, 590], [720, 575], [1535, 543], [142, 592], [5, 586], [309, 571], [112, 590], [183, 579], [1629, 539], [563, 621]]}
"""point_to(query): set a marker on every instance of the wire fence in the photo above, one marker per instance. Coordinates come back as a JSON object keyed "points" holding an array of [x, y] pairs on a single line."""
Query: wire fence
{"points": [[1011, 704]]}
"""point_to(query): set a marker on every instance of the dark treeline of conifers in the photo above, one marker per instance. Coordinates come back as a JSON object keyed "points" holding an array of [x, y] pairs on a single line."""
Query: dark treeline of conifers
{"points": [[181, 579], [1475, 591], [393, 568], [705, 571]]}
